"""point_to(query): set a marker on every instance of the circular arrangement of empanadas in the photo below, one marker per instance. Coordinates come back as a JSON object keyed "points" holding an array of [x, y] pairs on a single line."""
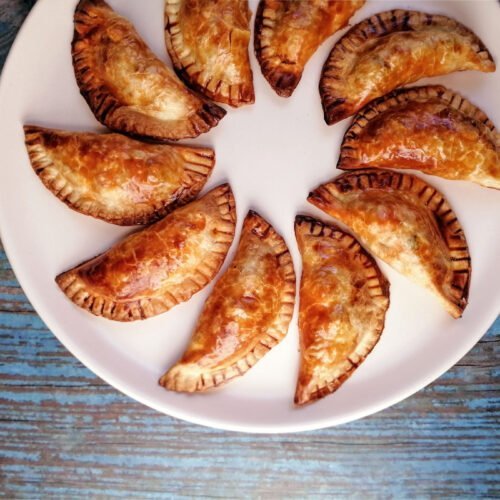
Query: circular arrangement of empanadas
{"points": [[135, 176]]}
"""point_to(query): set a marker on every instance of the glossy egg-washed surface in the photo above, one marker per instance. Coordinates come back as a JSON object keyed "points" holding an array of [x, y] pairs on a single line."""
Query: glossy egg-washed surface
{"points": [[431, 129], [114, 178], [343, 300], [208, 43], [246, 315], [408, 224], [156, 268], [127, 87], [58, 417], [391, 49], [288, 32]]}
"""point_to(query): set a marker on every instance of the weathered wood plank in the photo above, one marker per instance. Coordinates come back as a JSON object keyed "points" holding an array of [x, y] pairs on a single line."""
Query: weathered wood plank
{"points": [[65, 433], [12, 14]]}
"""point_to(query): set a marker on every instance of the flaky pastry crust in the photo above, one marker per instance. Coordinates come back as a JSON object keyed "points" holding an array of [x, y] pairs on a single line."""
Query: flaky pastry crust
{"points": [[126, 86], [208, 43], [391, 49], [431, 129], [156, 268], [115, 178], [246, 315], [288, 33], [343, 300], [408, 224]]}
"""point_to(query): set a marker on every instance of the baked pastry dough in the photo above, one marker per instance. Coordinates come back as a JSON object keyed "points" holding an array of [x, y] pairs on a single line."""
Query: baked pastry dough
{"points": [[208, 43], [246, 315], [114, 178], [391, 49], [431, 129], [408, 224], [343, 300], [153, 270], [126, 86], [288, 33]]}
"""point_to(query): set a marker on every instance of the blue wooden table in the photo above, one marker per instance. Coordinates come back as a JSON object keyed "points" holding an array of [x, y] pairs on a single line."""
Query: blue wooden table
{"points": [[65, 433]]}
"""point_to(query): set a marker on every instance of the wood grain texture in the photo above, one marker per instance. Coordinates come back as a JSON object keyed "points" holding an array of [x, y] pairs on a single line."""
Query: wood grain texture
{"points": [[66, 434]]}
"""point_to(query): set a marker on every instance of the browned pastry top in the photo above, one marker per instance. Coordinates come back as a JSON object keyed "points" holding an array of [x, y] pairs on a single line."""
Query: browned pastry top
{"points": [[391, 49]]}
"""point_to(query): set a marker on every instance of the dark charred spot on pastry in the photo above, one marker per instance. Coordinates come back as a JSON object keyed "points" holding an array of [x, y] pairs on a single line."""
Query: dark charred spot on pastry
{"points": [[315, 198], [359, 283], [52, 141], [394, 20], [381, 21], [284, 83], [460, 259], [334, 110], [373, 27], [170, 24], [405, 25], [344, 185], [423, 190]]}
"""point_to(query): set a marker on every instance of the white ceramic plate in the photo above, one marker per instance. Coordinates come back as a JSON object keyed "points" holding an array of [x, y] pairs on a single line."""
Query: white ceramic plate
{"points": [[272, 153]]}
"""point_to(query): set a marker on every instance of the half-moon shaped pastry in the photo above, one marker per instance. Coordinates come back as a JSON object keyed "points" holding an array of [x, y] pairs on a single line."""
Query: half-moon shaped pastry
{"points": [[407, 223], [153, 270], [114, 178], [208, 43], [391, 49], [126, 86], [288, 33], [246, 315], [431, 129], [343, 300]]}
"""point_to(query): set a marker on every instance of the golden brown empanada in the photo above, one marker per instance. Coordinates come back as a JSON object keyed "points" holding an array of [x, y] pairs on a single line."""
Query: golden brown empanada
{"points": [[343, 300], [408, 224], [208, 43], [114, 178], [288, 33], [126, 86], [246, 315], [431, 129], [154, 269], [391, 49]]}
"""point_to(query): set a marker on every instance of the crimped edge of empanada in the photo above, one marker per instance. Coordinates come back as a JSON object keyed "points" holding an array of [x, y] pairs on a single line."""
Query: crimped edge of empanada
{"points": [[198, 165], [99, 305], [334, 95], [282, 81], [108, 109], [190, 71], [348, 159], [191, 377], [379, 291], [449, 227]]}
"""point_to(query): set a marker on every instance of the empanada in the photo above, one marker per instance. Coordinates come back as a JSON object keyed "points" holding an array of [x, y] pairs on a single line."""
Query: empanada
{"points": [[431, 129], [391, 49], [156, 268], [114, 178], [343, 300], [246, 315], [408, 224], [126, 86], [288, 33], [208, 43]]}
